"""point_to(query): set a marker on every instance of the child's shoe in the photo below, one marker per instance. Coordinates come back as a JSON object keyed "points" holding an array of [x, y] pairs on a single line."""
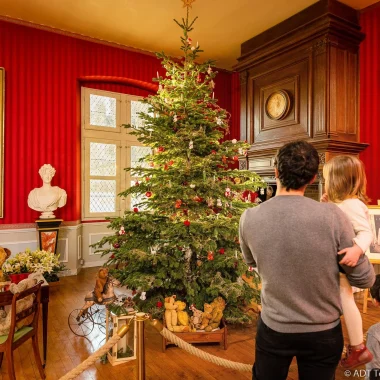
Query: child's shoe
{"points": [[356, 355]]}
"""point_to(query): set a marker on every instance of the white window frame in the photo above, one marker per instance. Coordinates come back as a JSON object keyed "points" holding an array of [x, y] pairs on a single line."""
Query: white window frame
{"points": [[118, 136]]}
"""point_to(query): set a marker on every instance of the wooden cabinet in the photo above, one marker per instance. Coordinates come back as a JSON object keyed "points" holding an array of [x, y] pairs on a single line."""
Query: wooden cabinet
{"points": [[313, 57]]}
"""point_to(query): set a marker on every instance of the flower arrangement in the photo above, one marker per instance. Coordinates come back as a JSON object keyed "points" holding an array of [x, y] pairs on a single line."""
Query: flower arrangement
{"points": [[34, 261]]}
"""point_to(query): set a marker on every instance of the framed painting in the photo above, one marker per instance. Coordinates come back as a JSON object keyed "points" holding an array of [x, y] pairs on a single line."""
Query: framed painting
{"points": [[2, 96], [373, 252]]}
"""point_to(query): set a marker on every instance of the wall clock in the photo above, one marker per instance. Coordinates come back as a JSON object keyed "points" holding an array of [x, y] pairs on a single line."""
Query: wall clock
{"points": [[278, 105]]}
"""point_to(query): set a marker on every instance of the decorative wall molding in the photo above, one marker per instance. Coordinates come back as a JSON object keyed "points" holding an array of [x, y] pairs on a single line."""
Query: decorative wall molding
{"points": [[91, 264], [79, 36], [79, 244], [93, 240]]}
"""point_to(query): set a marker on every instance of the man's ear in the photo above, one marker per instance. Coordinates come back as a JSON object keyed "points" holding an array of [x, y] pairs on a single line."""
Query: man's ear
{"points": [[276, 172], [313, 180]]}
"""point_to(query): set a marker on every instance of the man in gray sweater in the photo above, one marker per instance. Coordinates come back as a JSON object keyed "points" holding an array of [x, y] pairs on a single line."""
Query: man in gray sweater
{"points": [[293, 241]]}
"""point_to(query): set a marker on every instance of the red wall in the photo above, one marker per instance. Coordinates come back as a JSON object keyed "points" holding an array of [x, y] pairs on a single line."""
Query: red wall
{"points": [[370, 99], [42, 109]]}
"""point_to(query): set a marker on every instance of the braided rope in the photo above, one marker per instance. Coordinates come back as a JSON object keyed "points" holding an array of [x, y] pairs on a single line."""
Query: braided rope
{"points": [[204, 355], [91, 359]]}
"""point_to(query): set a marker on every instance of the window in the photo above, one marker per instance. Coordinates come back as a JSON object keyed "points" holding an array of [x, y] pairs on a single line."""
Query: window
{"points": [[107, 149]]}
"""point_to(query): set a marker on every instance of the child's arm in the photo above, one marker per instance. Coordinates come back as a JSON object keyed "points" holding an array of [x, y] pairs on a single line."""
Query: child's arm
{"points": [[358, 214]]}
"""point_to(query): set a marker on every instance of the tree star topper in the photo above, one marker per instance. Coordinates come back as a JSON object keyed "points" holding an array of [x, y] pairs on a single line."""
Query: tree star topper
{"points": [[187, 3]]}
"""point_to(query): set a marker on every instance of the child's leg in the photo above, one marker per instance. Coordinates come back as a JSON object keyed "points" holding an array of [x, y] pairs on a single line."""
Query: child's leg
{"points": [[352, 317]]}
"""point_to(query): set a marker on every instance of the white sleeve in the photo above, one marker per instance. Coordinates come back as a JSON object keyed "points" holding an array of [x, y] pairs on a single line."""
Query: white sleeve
{"points": [[357, 212]]}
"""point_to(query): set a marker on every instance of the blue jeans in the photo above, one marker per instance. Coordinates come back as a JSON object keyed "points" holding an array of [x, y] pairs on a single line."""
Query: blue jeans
{"points": [[317, 353]]}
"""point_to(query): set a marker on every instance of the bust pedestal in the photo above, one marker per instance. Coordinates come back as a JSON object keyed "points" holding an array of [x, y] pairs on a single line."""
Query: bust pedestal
{"points": [[48, 230]]}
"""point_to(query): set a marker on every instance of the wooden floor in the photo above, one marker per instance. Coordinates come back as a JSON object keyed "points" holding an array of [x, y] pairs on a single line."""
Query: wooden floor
{"points": [[65, 350]]}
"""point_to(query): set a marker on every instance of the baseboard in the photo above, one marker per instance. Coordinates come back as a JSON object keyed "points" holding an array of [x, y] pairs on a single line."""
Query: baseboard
{"points": [[91, 264]]}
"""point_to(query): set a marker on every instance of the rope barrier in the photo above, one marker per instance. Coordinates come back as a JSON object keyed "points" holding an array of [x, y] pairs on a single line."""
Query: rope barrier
{"points": [[197, 352], [96, 355]]}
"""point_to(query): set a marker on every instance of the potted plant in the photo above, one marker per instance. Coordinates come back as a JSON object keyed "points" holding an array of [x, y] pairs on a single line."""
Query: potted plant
{"points": [[24, 263]]}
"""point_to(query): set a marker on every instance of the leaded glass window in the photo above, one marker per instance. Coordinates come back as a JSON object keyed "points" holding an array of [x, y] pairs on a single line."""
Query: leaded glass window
{"points": [[102, 196], [102, 111]]}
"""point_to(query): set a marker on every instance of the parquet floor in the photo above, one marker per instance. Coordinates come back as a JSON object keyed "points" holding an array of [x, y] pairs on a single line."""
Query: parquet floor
{"points": [[65, 350]]}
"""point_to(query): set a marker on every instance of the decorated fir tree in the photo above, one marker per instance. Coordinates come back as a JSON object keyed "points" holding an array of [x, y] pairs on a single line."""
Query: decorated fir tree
{"points": [[182, 235]]}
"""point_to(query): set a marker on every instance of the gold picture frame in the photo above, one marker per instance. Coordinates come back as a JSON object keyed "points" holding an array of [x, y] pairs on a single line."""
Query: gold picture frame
{"points": [[373, 252], [2, 108]]}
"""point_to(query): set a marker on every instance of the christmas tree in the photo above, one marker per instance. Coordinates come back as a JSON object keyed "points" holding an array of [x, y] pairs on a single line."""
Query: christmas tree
{"points": [[182, 235]]}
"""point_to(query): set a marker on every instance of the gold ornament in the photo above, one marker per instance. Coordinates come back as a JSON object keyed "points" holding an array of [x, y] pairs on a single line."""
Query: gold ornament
{"points": [[187, 3], [237, 180]]}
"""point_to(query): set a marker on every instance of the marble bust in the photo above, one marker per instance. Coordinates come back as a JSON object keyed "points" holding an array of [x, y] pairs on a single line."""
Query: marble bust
{"points": [[47, 198]]}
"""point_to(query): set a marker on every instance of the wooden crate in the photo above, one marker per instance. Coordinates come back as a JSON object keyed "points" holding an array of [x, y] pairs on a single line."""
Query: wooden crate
{"points": [[217, 336]]}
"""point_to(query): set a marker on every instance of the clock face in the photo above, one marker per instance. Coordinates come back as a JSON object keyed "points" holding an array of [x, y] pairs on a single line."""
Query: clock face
{"points": [[277, 105]]}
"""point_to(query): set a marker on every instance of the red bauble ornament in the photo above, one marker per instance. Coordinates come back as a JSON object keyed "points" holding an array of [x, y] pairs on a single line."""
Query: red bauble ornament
{"points": [[178, 203], [199, 79], [135, 209], [213, 152], [159, 304], [148, 194], [186, 223], [235, 158], [116, 245], [147, 179], [171, 162], [221, 251], [160, 149], [166, 167], [210, 255], [137, 183], [112, 256]]}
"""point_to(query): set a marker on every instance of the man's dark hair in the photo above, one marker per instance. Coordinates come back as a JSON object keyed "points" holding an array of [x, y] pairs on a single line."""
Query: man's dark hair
{"points": [[297, 163], [375, 290]]}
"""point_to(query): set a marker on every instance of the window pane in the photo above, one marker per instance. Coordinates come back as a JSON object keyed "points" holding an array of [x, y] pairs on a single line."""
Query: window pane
{"points": [[138, 152], [102, 111], [136, 199], [102, 159], [102, 195], [136, 108]]}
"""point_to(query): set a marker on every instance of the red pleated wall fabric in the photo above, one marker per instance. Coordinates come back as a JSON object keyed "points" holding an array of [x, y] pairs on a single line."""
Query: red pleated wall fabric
{"points": [[369, 99], [42, 110]]}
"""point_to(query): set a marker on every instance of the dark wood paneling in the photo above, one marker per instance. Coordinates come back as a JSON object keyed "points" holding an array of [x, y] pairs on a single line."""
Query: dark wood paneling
{"points": [[314, 57]]}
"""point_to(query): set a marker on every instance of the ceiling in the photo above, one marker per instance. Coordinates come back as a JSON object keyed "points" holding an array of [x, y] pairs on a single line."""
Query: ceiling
{"points": [[148, 24]]}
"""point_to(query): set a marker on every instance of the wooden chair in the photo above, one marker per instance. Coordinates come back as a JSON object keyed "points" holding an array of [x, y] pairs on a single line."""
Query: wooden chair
{"points": [[14, 339]]}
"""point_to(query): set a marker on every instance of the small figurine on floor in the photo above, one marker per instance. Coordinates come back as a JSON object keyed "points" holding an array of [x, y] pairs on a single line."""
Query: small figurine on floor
{"points": [[183, 317], [196, 318], [206, 316], [171, 316], [103, 293], [218, 305]]}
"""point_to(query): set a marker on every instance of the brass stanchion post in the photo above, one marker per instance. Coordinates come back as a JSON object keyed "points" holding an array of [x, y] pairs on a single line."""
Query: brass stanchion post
{"points": [[140, 318]]}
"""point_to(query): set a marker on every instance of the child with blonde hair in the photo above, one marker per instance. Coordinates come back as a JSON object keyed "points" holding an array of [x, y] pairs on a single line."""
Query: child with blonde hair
{"points": [[345, 185]]}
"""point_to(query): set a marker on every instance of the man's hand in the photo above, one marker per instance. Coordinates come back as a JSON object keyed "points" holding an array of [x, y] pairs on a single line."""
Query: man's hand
{"points": [[324, 198], [352, 255]]}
